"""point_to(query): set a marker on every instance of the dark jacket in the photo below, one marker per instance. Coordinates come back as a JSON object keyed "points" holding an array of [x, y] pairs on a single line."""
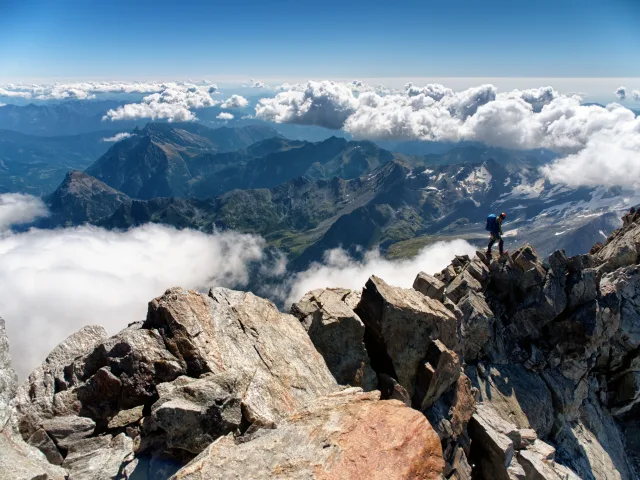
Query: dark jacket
{"points": [[496, 231]]}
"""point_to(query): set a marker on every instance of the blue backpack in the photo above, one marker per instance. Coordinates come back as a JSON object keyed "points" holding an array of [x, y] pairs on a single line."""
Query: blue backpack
{"points": [[491, 223]]}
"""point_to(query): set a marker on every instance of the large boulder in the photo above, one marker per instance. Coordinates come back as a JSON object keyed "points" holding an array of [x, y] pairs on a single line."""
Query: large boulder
{"points": [[277, 370], [346, 435], [98, 458], [429, 286], [476, 325], [400, 325], [194, 412], [338, 334]]}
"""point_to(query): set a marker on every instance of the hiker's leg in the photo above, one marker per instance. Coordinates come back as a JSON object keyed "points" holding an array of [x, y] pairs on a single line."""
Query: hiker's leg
{"points": [[492, 240], [501, 246]]}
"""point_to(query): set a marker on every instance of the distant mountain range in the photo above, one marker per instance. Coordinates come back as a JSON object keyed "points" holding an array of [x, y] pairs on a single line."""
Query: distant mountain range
{"points": [[397, 208], [181, 160]]}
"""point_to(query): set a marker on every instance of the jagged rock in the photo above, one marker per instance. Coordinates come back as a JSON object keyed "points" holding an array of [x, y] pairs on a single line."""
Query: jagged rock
{"points": [[126, 417], [347, 435], [43, 442], [400, 322], [18, 460], [276, 366], [459, 468], [593, 446], [98, 458], [581, 287], [439, 371], [462, 284], [450, 415], [490, 417], [36, 398], [8, 377], [429, 286], [492, 451], [476, 325], [624, 283], [537, 468], [390, 389], [478, 270], [68, 430], [194, 412], [338, 334], [620, 250], [122, 373], [516, 395]]}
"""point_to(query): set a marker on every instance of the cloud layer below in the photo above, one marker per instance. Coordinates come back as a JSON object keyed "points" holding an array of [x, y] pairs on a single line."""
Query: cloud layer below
{"points": [[54, 282], [589, 136]]}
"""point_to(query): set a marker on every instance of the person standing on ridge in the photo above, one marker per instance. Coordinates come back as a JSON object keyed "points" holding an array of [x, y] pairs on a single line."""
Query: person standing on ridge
{"points": [[494, 226]]}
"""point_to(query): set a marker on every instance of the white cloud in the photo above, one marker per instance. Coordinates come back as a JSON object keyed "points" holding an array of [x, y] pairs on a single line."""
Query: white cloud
{"points": [[225, 116], [621, 93], [327, 104], [173, 103], [53, 282], [519, 119], [77, 91], [258, 84], [340, 270], [235, 101], [635, 95], [19, 208], [117, 137]]}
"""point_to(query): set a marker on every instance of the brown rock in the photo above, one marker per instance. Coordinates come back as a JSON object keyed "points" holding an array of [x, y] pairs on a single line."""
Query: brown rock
{"points": [[462, 284], [344, 436], [440, 370]]}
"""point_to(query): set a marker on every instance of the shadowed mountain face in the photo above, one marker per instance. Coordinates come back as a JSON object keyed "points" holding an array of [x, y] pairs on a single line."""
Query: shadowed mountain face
{"points": [[191, 160], [397, 208]]}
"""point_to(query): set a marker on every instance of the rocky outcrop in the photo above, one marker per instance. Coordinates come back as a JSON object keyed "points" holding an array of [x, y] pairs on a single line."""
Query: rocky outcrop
{"points": [[18, 460], [346, 435], [338, 334], [509, 367]]}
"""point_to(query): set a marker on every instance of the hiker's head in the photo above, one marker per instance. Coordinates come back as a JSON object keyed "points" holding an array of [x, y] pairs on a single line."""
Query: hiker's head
{"points": [[503, 216]]}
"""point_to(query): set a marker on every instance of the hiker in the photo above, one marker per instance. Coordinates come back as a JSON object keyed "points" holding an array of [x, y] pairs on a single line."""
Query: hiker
{"points": [[494, 226]]}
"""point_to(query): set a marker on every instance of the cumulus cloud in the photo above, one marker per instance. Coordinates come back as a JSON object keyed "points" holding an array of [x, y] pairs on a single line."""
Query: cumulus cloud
{"points": [[340, 270], [636, 95], [174, 103], [519, 119], [327, 104], [258, 84], [19, 208], [54, 282], [225, 116], [117, 137], [621, 93], [235, 101]]}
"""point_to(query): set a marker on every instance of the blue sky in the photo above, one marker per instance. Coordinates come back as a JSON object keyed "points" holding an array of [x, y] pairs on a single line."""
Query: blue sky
{"points": [[69, 39]]}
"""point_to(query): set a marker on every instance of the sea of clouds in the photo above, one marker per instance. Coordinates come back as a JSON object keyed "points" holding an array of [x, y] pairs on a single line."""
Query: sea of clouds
{"points": [[53, 282]]}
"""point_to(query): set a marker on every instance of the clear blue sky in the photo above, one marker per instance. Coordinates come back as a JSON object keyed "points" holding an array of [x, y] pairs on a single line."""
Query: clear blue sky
{"points": [[116, 39]]}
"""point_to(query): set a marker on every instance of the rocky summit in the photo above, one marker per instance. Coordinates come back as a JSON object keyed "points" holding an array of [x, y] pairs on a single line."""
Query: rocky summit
{"points": [[509, 367]]}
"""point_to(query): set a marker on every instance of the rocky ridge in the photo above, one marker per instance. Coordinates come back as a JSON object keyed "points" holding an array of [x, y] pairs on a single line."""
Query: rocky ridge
{"points": [[495, 368]]}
